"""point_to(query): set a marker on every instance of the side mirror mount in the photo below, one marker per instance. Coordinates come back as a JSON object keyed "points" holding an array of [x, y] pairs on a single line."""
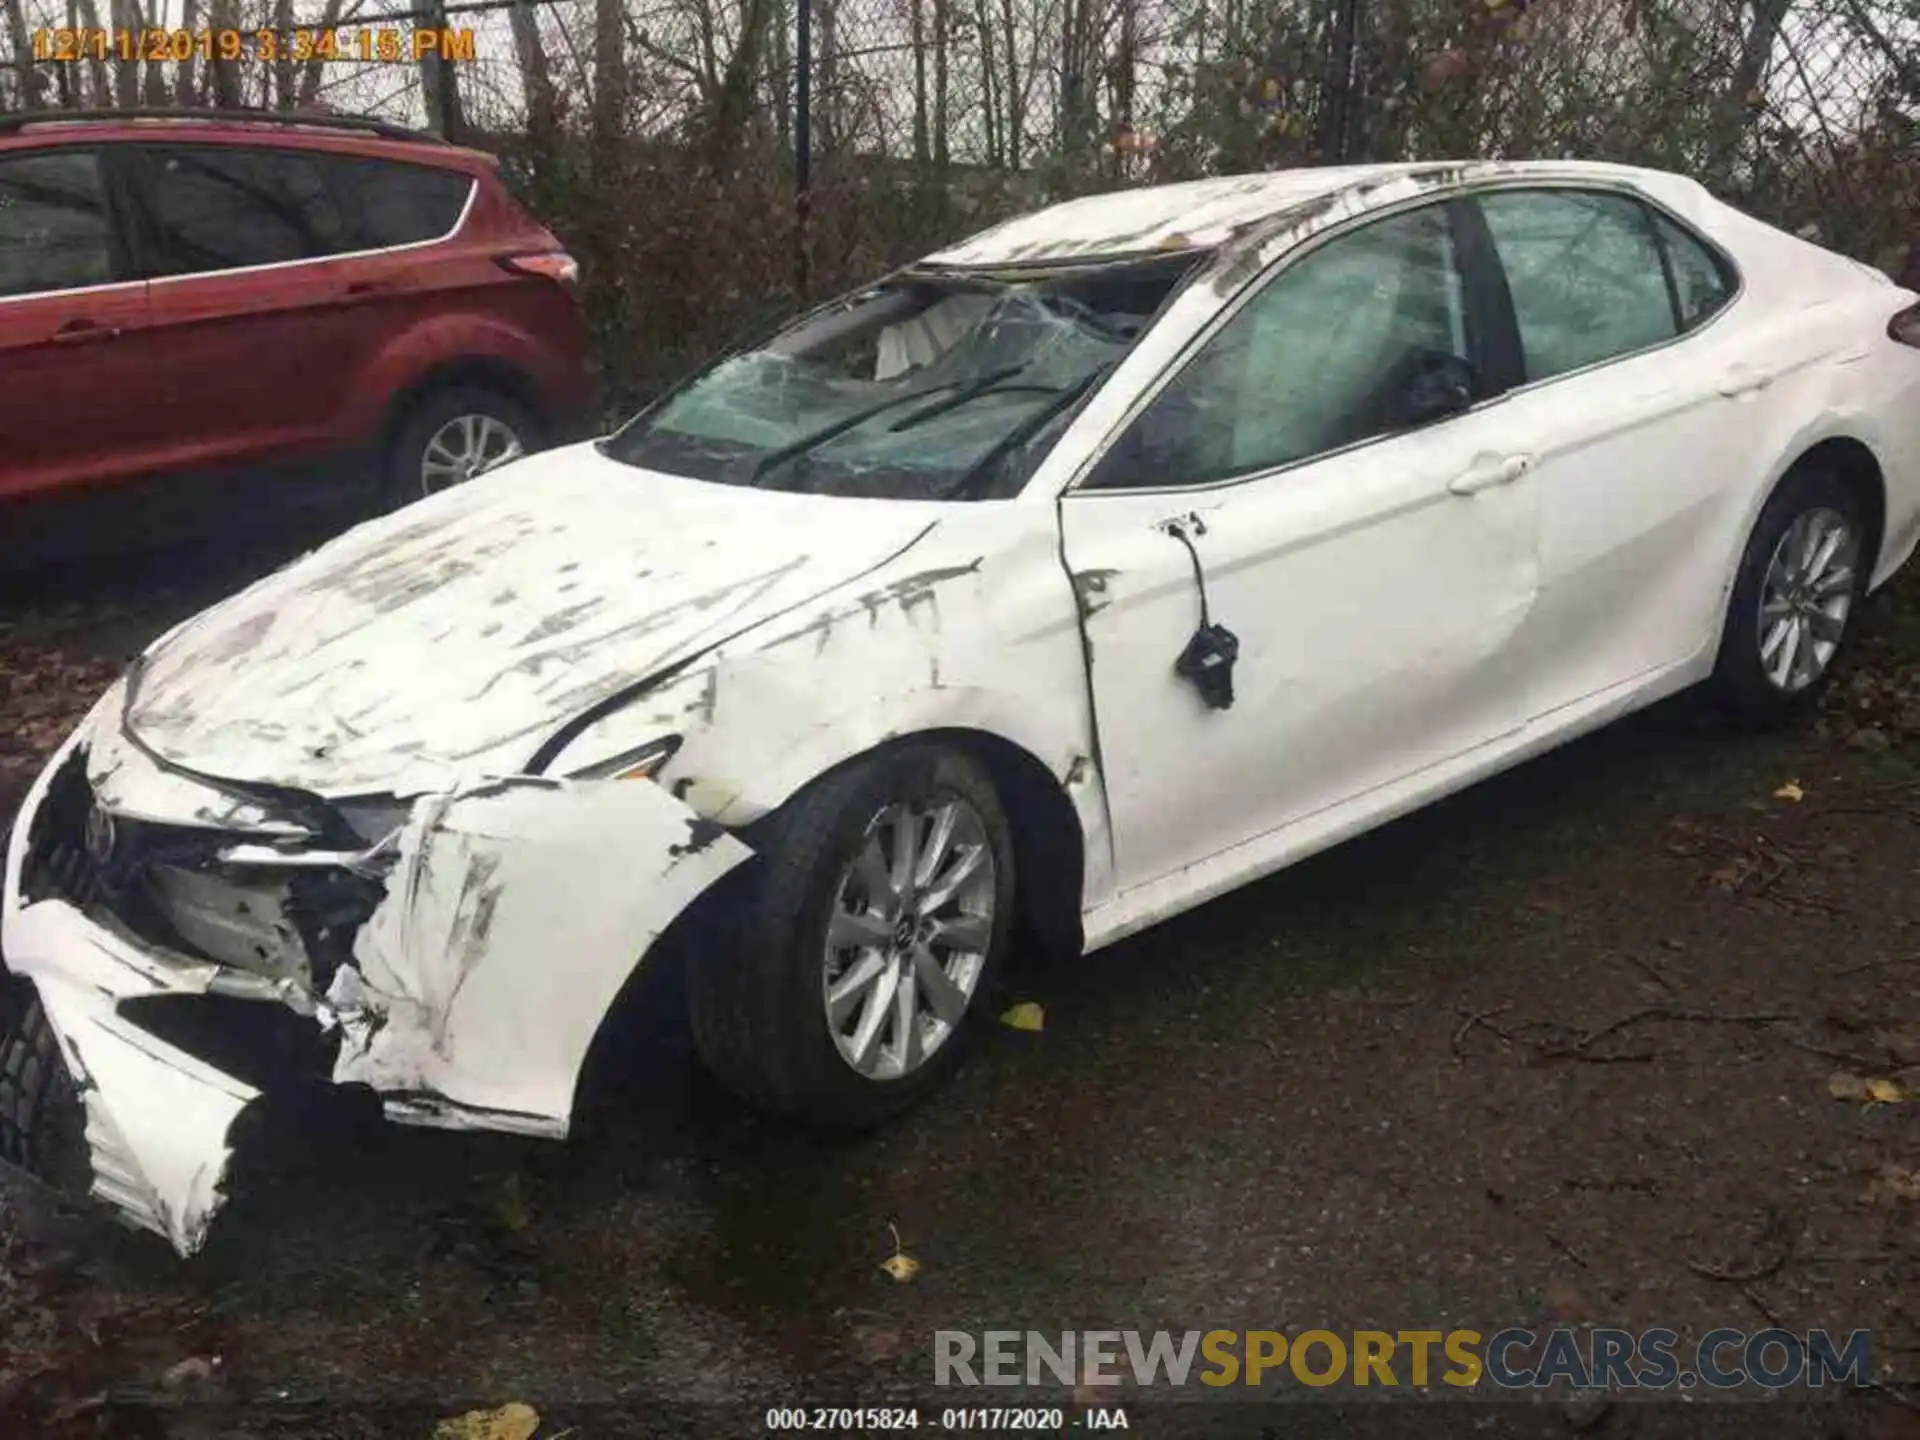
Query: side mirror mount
{"points": [[1431, 386]]}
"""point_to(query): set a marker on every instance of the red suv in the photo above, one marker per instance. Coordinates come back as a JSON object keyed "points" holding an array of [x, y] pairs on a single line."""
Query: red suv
{"points": [[188, 293]]}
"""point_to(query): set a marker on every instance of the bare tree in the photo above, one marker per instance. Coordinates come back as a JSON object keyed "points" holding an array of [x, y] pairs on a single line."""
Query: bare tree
{"points": [[225, 15], [313, 69], [989, 96], [88, 15], [184, 93], [126, 61], [283, 55], [731, 106], [942, 31], [439, 83], [27, 81], [536, 79], [609, 117], [1015, 101]]}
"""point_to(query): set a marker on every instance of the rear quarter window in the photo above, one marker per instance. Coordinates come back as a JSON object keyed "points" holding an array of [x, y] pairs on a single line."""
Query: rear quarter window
{"points": [[232, 207], [1702, 285], [388, 203]]}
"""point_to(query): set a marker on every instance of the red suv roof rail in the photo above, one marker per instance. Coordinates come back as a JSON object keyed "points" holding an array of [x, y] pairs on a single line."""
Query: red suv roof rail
{"points": [[13, 124]]}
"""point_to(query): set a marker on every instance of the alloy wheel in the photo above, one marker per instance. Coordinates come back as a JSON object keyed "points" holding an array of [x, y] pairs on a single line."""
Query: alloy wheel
{"points": [[466, 446], [907, 937], [1806, 598]]}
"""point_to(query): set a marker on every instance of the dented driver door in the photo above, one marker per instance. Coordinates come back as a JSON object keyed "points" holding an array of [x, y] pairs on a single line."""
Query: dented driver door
{"points": [[1316, 504]]}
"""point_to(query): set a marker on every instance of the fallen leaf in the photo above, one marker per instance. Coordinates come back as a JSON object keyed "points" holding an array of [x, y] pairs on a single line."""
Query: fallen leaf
{"points": [[1024, 1016], [900, 1265], [1843, 1085], [512, 1421], [1790, 791]]}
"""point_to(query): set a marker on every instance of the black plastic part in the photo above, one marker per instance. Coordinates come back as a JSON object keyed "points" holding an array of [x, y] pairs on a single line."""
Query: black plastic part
{"points": [[1207, 662]]}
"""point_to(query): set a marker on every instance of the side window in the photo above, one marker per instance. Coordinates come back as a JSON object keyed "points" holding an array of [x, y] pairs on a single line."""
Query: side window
{"points": [[54, 233], [227, 208], [1585, 273], [1701, 284], [1313, 362], [389, 204]]}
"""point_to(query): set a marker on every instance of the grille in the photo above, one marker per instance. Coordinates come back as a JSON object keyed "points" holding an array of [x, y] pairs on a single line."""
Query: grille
{"points": [[166, 884], [57, 863]]}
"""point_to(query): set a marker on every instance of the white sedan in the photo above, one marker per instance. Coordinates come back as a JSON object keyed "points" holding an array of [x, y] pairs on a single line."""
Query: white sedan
{"points": [[1033, 594]]}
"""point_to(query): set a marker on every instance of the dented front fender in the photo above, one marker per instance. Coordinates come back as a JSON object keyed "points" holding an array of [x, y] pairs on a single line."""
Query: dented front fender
{"points": [[514, 913]]}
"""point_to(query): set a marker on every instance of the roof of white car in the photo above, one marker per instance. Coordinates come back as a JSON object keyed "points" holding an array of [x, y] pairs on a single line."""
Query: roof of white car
{"points": [[1200, 214]]}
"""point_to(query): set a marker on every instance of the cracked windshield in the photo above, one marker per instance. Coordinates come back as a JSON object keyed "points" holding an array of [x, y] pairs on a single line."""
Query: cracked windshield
{"points": [[919, 389]]}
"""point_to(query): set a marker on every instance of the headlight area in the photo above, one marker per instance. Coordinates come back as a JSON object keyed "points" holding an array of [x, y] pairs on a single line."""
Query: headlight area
{"points": [[280, 917], [459, 965], [641, 763]]}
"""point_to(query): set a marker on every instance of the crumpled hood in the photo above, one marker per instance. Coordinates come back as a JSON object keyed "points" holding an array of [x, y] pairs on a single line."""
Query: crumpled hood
{"points": [[451, 638]]}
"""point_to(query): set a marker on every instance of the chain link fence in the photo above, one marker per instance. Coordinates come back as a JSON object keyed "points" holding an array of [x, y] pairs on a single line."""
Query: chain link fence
{"points": [[715, 162]]}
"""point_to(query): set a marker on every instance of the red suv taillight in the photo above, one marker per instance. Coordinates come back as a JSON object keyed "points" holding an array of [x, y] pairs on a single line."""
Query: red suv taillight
{"points": [[555, 265], [1905, 326]]}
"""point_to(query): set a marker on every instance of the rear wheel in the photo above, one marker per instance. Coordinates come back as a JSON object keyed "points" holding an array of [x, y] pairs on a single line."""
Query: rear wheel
{"points": [[845, 983], [452, 435], [1799, 583]]}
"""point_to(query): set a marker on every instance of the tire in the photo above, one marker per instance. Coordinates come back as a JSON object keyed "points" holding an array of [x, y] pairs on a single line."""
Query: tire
{"points": [[438, 415], [42, 1119], [758, 976], [1746, 678]]}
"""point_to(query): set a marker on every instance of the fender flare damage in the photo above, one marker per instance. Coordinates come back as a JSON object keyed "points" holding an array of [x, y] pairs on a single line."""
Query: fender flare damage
{"points": [[513, 912]]}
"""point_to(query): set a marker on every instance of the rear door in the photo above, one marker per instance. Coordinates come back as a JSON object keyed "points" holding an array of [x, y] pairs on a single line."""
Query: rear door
{"points": [[79, 392], [398, 275], [241, 240], [1641, 411]]}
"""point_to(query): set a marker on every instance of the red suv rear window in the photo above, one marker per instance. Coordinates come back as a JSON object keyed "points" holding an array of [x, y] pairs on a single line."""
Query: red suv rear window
{"points": [[53, 223], [218, 207]]}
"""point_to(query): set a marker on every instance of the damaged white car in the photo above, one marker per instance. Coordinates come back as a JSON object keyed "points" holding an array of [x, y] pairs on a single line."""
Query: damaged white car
{"points": [[1048, 587]]}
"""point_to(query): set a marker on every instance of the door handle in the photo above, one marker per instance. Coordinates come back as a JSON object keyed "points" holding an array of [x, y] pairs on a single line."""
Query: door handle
{"points": [[75, 332], [1742, 380], [1486, 474], [367, 289]]}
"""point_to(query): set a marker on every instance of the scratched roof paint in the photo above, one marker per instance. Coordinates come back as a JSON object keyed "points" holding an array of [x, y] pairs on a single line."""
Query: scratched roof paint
{"points": [[1198, 214], [453, 637]]}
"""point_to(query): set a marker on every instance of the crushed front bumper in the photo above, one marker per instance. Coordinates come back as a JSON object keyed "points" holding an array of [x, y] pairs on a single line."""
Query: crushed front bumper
{"points": [[507, 916]]}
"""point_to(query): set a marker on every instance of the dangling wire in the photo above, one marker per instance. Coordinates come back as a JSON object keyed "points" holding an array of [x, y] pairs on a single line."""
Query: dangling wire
{"points": [[1178, 530]]}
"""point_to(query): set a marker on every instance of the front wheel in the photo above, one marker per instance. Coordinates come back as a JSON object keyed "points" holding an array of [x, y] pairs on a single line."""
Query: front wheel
{"points": [[42, 1119], [845, 983], [1799, 582]]}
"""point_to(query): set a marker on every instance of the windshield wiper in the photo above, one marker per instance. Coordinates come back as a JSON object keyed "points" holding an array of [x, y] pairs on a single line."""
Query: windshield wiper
{"points": [[793, 449], [987, 383], [1032, 425]]}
